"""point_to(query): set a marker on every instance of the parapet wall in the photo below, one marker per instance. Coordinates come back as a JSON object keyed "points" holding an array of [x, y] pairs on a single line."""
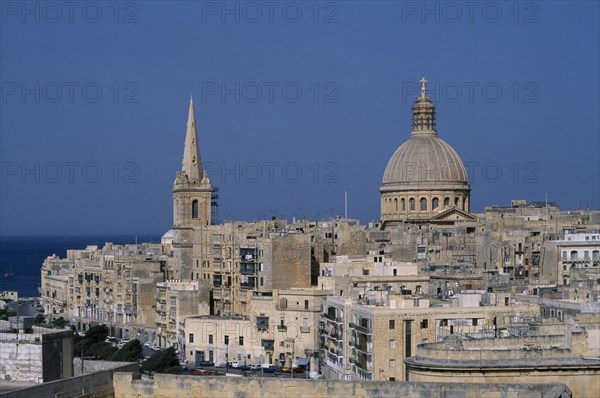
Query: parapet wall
{"points": [[97, 385], [174, 386]]}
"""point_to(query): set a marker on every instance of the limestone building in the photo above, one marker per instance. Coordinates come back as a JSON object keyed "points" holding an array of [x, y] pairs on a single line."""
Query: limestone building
{"points": [[425, 179], [34, 354]]}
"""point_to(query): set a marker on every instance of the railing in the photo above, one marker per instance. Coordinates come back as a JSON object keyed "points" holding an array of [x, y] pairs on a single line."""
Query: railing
{"points": [[298, 308], [361, 329], [281, 328], [329, 317]]}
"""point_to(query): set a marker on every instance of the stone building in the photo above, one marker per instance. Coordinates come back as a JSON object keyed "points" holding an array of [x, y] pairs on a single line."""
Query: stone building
{"points": [[370, 341], [277, 329], [34, 354], [175, 301], [115, 285], [540, 353], [425, 179]]}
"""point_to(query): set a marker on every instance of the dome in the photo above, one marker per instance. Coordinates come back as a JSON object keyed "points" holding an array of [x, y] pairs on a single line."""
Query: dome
{"points": [[424, 161], [425, 179]]}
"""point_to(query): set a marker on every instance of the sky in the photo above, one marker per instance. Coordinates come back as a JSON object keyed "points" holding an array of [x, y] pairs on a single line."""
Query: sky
{"points": [[296, 103]]}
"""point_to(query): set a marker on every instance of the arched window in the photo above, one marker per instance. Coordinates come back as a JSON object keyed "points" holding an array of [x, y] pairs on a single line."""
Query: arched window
{"points": [[596, 255], [395, 204], [423, 204], [464, 204], [446, 201], [403, 203], [435, 203], [456, 202], [574, 255], [411, 204], [195, 209]]}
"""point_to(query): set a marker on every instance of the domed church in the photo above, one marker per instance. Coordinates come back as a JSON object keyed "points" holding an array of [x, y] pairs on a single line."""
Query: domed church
{"points": [[425, 180]]}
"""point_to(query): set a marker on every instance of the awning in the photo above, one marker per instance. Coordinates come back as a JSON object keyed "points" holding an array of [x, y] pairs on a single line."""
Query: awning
{"points": [[303, 361]]}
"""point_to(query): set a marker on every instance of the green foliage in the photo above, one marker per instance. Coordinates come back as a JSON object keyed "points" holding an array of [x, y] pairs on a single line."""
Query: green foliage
{"points": [[93, 345], [130, 352], [39, 319], [97, 333], [5, 314], [60, 322], [92, 341], [164, 361]]}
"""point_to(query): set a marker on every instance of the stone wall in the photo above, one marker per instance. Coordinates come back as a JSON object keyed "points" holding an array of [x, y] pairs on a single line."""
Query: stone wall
{"points": [[97, 385], [172, 386]]}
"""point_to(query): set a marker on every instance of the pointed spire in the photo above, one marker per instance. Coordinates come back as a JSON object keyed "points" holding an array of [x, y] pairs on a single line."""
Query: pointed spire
{"points": [[423, 113], [191, 164]]}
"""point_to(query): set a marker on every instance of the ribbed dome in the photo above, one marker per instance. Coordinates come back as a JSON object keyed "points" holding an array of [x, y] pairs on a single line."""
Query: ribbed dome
{"points": [[424, 161]]}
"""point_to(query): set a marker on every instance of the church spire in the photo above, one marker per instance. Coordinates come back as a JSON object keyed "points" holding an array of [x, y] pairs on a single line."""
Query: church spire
{"points": [[423, 113], [191, 166]]}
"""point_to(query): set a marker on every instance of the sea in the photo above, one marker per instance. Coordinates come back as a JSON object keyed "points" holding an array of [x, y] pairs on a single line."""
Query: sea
{"points": [[22, 256]]}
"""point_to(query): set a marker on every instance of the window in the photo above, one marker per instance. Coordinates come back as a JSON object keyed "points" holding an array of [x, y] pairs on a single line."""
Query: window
{"points": [[268, 345], [424, 324], [392, 363], [411, 204], [596, 255], [446, 201], [305, 304], [262, 322], [241, 340], [474, 321], [226, 339], [210, 339], [191, 337], [423, 204], [392, 344], [392, 324], [403, 204], [195, 209], [435, 203], [564, 256], [396, 204], [574, 255], [456, 202]]}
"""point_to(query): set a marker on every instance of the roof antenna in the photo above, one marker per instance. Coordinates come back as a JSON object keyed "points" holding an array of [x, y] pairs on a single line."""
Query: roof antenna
{"points": [[346, 205]]}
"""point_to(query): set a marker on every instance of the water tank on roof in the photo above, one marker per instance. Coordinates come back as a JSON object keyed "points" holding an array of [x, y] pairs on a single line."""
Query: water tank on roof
{"points": [[22, 323]]}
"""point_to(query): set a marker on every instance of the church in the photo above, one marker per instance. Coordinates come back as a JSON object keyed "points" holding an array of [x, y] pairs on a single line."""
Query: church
{"points": [[425, 180]]}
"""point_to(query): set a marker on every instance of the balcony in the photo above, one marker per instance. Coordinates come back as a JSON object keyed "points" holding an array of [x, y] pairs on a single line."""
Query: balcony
{"points": [[360, 329], [281, 328], [300, 308], [304, 329], [332, 318], [362, 348]]}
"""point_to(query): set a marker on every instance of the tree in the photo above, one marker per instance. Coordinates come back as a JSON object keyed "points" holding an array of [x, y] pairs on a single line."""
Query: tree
{"points": [[130, 352], [5, 314], [164, 361], [60, 322], [92, 342], [39, 319]]}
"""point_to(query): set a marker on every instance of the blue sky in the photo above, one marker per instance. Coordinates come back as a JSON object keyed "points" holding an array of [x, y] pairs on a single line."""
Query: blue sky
{"points": [[296, 103]]}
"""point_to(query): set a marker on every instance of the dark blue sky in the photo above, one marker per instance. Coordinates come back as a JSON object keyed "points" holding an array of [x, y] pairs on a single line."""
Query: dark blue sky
{"points": [[295, 104]]}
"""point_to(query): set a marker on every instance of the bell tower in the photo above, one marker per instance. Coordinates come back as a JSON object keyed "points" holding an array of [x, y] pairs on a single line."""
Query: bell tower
{"points": [[191, 199]]}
